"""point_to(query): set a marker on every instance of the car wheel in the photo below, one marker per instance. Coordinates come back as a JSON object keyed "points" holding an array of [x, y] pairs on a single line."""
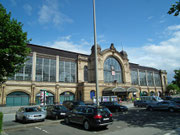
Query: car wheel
{"points": [[150, 109], [67, 120], [116, 110], [43, 120], [56, 117], [171, 109], [24, 120], [16, 119], [105, 127], [86, 125]]}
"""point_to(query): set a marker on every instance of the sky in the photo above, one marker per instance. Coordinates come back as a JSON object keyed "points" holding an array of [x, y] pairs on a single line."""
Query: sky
{"points": [[142, 28]]}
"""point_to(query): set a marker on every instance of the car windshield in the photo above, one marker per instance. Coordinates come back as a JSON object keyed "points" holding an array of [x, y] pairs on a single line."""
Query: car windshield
{"points": [[33, 109], [79, 103], [115, 103], [59, 107]]}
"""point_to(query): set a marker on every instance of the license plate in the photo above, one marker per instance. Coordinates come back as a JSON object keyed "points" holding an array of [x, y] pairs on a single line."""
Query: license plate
{"points": [[63, 113], [106, 119], [37, 115]]}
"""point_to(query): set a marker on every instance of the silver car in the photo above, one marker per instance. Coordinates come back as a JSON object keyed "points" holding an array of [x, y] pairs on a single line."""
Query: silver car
{"points": [[26, 114], [164, 105]]}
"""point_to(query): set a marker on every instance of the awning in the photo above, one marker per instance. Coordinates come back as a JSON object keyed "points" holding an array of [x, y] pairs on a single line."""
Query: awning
{"points": [[132, 89], [114, 89], [120, 89]]}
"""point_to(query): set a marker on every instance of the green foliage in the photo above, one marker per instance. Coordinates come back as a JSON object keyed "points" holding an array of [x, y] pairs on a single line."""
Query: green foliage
{"points": [[175, 8], [1, 121], [13, 45], [177, 78], [173, 87]]}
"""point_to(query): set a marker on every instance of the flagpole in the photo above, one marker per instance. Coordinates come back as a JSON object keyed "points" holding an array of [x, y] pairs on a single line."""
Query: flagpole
{"points": [[96, 61]]}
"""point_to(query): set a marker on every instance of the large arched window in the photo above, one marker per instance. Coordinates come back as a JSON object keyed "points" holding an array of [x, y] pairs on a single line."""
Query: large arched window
{"points": [[112, 70]]}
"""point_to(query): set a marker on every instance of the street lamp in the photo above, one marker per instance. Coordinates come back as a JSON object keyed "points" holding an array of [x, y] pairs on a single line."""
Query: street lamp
{"points": [[96, 60]]}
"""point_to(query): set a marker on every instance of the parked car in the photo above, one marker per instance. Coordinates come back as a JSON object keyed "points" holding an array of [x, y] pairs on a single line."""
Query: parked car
{"points": [[167, 98], [72, 104], [114, 106], [26, 114], [140, 103], [151, 99], [90, 116], [165, 105], [176, 99], [56, 111]]}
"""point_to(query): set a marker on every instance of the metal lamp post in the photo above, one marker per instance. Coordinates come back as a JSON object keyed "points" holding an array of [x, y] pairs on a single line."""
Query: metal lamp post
{"points": [[96, 60]]}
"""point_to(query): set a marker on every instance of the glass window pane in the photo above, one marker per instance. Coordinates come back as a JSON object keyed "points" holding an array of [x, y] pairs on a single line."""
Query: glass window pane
{"points": [[134, 77], [112, 70], [142, 77]]}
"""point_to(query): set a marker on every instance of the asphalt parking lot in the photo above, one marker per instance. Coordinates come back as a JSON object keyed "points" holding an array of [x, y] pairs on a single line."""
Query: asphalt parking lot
{"points": [[136, 121]]}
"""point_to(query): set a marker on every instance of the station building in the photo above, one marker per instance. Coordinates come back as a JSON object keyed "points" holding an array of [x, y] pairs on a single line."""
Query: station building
{"points": [[68, 75]]}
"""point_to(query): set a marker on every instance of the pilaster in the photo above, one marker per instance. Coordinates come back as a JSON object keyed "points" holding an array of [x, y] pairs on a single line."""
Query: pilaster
{"points": [[57, 68], [34, 67]]}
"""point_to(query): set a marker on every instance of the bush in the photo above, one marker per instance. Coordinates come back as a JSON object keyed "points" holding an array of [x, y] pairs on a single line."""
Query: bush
{"points": [[1, 121]]}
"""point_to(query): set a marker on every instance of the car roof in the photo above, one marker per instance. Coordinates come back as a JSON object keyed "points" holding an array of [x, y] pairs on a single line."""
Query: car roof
{"points": [[29, 107]]}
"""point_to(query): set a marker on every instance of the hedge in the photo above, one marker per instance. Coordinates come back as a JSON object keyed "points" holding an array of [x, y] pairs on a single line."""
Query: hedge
{"points": [[1, 121]]}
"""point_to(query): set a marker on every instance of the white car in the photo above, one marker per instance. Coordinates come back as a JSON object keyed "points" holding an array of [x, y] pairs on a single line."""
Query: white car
{"points": [[32, 113]]}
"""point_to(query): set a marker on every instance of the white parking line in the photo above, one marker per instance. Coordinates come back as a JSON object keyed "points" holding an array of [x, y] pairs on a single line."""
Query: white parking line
{"points": [[38, 128], [45, 131], [42, 130]]}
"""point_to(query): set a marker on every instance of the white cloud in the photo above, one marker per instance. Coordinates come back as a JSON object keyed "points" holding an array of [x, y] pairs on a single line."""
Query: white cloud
{"points": [[174, 27], [150, 39], [50, 12], [150, 17], [164, 55], [65, 43], [28, 9]]}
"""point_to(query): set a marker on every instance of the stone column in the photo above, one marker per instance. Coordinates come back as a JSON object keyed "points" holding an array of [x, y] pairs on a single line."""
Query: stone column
{"points": [[154, 80], [33, 96], [146, 78], [154, 83], [138, 77], [57, 68], [57, 100], [34, 67], [3, 98]]}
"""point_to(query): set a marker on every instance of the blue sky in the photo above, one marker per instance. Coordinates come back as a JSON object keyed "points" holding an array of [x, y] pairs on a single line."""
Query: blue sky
{"points": [[143, 28]]}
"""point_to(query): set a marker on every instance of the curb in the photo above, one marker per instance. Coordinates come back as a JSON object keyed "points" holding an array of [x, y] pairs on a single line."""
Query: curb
{"points": [[17, 127]]}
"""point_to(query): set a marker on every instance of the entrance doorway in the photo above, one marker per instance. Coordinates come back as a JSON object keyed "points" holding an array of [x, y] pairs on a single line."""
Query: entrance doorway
{"points": [[17, 99], [66, 96]]}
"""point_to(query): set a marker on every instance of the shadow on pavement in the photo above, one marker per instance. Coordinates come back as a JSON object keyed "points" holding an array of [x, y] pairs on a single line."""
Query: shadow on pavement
{"points": [[78, 126], [163, 120]]}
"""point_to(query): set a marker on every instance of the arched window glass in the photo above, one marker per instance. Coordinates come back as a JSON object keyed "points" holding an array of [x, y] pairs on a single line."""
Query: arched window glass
{"points": [[112, 70], [85, 73]]}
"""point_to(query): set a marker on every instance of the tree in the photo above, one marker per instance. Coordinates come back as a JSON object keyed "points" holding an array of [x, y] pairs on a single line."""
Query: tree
{"points": [[175, 8], [13, 45], [175, 85], [172, 87], [177, 78]]}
